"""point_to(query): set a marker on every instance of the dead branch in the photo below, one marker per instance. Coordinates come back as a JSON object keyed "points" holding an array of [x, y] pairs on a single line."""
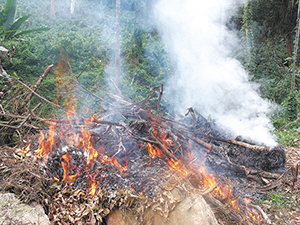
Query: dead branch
{"points": [[199, 141], [271, 185], [18, 96], [148, 116], [37, 84], [151, 95], [227, 211], [262, 174], [90, 93], [119, 99], [2, 108], [24, 119], [12, 115], [168, 153], [269, 175], [266, 218], [191, 111], [46, 100], [159, 98], [210, 189], [243, 144]]}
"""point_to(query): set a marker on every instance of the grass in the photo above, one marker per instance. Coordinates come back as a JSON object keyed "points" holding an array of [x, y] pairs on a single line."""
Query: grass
{"points": [[281, 207]]}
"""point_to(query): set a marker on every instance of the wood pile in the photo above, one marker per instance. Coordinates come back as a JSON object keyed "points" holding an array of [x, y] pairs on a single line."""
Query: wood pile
{"points": [[127, 156]]}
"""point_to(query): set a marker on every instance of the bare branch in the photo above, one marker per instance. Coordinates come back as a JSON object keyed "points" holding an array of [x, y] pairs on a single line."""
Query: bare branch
{"points": [[37, 84]]}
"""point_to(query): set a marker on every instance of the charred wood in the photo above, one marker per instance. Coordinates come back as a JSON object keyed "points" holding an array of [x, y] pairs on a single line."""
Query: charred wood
{"points": [[243, 144]]}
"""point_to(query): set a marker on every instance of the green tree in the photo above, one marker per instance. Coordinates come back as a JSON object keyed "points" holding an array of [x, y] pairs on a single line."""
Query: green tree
{"points": [[277, 18]]}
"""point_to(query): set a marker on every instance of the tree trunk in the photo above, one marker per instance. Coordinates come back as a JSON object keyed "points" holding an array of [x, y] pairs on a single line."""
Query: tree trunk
{"points": [[72, 6], [52, 10], [289, 38], [117, 49]]}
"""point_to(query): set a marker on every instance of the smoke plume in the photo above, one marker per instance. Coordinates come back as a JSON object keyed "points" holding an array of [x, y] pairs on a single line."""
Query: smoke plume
{"points": [[207, 78]]}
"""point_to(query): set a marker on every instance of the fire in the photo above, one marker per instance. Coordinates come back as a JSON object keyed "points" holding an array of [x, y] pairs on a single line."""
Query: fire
{"points": [[235, 204], [70, 111], [45, 148], [175, 165], [92, 119], [85, 141], [92, 183], [115, 162], [154, 151], [253, 215], [68, 166], [56, 178], [93, 187], [27, 149], [131, 189], [163, 136]]}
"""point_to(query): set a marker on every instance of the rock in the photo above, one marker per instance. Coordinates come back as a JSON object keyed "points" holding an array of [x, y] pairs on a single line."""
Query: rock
{"points": [[192, 209], [119, 218], [12, 211]]}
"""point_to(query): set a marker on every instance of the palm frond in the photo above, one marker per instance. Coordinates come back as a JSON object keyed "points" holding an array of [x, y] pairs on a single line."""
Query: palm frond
{"points": [[41, 29], [15, 26], [7, 16]]}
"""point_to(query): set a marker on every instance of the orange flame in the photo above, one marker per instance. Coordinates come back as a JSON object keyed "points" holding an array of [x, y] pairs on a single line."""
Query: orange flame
{"points": [[67, 166], [253, 215], [235, 204], [175, 165], [163, 136], [210, 181], [89, 148], [92, 119], [115, 162], [154, 151], [131, 189], [84, 141], [56, 178], [45, 148], [92, 183], [27, 149]]}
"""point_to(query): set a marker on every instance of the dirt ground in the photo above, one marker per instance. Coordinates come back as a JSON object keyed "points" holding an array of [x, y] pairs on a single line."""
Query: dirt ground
{"points": [[283, 204]]}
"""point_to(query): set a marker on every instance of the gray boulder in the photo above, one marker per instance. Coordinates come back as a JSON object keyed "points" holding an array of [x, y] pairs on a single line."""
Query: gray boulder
{"points": [[12, 211]]}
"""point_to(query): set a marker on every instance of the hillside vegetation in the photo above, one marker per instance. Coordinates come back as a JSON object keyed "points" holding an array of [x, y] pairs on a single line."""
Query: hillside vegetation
{"points": [[81, 45]]}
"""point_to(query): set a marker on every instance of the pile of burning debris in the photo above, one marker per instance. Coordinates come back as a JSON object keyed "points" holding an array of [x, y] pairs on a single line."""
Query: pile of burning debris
{"points": [[127, 156]]}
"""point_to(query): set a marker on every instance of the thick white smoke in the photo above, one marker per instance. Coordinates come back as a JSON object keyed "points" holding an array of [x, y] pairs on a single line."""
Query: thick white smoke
{"points": [[207, 78]]}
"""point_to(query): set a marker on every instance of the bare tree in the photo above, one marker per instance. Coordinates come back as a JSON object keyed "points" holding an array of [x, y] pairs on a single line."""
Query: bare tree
{"points": [[117, 48], [52, 10], [72, 6]]}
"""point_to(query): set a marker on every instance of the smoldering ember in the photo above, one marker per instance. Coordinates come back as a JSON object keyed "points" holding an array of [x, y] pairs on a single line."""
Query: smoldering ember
{"points": [[130, 165]]}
